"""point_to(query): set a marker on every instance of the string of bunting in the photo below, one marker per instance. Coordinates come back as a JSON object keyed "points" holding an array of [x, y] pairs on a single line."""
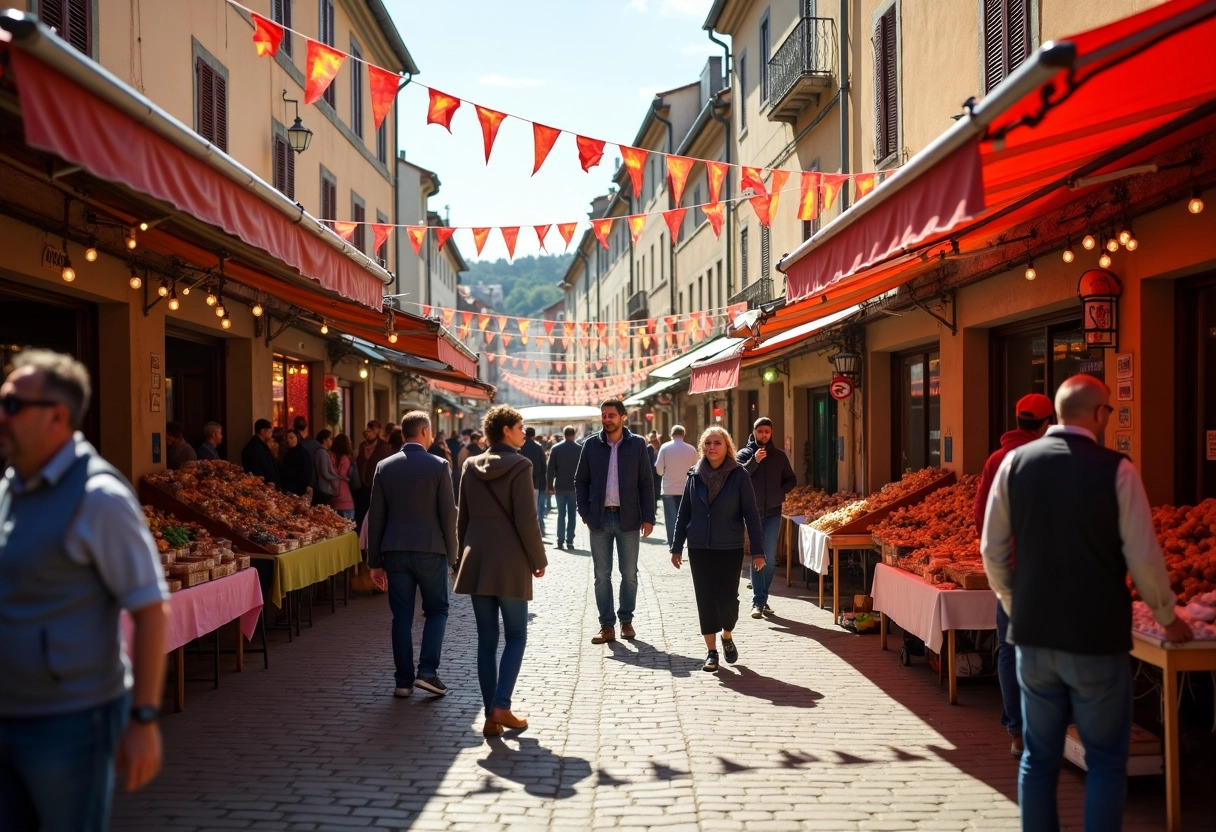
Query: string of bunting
{"points": [[579, 369], [574, 391]]}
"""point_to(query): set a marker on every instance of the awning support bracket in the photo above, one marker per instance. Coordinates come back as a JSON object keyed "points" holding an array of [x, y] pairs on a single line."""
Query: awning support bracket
{"points": [[947, 299], [283, 325]]}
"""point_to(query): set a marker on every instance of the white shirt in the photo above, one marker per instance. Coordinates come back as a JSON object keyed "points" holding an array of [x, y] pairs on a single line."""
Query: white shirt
{"points": [[1141, 551], [672, 464]]}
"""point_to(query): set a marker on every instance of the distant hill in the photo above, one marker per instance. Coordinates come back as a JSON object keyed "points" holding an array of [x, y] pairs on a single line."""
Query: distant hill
{"points": [[529, 284]]}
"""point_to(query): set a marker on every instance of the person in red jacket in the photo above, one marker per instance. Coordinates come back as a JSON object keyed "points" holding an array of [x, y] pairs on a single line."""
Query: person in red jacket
{"points": [[1034, 413]]}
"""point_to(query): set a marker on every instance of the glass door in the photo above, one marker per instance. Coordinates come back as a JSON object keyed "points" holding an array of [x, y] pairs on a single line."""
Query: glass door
{"points": [[917, 412], [1195, 380], [823, 439]]}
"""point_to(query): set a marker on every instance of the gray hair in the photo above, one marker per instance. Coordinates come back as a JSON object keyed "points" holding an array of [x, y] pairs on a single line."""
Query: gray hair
{"points": [[210, 429], [63, 378], [677, 430]]}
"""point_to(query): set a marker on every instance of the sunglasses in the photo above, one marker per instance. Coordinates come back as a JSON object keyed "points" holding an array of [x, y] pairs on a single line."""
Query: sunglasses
{"points": [[12, 405]]}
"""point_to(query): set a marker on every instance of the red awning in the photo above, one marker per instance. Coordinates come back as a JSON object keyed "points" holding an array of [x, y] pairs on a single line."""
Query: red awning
{"points": [[467, 390], [1108, 99], [718, 375]]}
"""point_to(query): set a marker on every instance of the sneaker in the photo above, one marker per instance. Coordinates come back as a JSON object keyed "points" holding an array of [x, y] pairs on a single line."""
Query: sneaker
{"points": [[627, 630], [570, 544], [605, 634], [757, 612], [1017, 748], [711, 662], [730, 650], [768, 610], [559, 544], [402, 693], [431, 684]]}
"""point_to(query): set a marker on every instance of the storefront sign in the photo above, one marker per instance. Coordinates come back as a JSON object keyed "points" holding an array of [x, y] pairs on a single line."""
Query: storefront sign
{"points": [[53, 259], [331, 383], [841, 388]]}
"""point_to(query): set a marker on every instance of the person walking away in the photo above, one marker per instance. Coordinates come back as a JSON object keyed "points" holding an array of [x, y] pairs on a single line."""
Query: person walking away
{"points": [[325, 477], [213, 435], [652, 450], [717, 507], [371, 451], [178, 450], [344, 467], [299, 425], [1034, 412], [501, 551], [256, 457], [772, 478], [76, 551], [1078, 515], [563, 464], [672, 463], [411, 541], [535, 454], [614, 488], [296, 474]]}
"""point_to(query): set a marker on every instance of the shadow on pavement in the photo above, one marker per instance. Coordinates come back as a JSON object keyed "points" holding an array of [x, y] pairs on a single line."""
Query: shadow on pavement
{"points": [[646, 655], [743, 680], [536, 768]]}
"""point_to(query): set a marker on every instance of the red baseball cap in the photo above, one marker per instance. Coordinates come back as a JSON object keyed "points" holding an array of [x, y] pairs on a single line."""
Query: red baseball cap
{"points": [[1035, 406]]}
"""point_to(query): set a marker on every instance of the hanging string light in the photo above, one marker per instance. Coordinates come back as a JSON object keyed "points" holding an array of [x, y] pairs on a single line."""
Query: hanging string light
{"points": [[174, 303], [1104, 261], [1088, 242], [257, 309], [324, 328], [1195, 205], [67, 272], [1068, 256], [90, 253], [163, 289], [135, 281], [1031, 274], [226, 322], [131, 241]]}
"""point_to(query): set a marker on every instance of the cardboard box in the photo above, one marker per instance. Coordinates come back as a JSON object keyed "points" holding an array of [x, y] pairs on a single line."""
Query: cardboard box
{"points": [[1144, 752]]}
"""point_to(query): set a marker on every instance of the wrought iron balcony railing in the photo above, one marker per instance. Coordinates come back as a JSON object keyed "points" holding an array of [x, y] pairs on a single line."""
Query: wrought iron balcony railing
{"points": [[757, 293], [802, 68], [637, 305]]}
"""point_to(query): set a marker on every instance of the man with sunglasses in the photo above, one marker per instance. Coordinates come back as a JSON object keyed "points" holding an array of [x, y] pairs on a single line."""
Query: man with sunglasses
{"points": [[1080, 519], [75, 550]]}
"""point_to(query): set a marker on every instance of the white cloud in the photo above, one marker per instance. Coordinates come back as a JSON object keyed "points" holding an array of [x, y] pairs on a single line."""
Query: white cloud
{"points": [[504, 81]]}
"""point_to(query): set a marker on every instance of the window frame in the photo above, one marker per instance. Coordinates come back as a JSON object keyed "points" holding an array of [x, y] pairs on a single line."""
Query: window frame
{"points": [[280, 144], [1031, 24], [327, 36], [885, 43], [743, 256], [328, 196], [358, 215], [216, 132], [280, 13], [741, 71], [766, 48], [900, 411], [62, 18], [356, 88]]}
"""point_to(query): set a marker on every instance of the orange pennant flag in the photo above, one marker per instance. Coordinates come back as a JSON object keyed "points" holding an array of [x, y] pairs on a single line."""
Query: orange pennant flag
{"points": [[715, 214], [426, 311], [523, 324], [479, 238], [448, 314], [749, 177], [601, 327], [636, 223], [677, 174], [490, 120], [590, 151], [542, 142], [509, 235], [775, 185], [675, 219], [808, 204], [541, 232], [443, 233], [267, 35], [832, 183], [380, 232], [466, 319], [321, 65], [864, 183], [441, 108], [634, 158], [567, 229], [717, 175], [383, 86], [489, 335], [549, 324], [601, 229], [417, 234], [483, 321], [345, 229], [501, 320]]}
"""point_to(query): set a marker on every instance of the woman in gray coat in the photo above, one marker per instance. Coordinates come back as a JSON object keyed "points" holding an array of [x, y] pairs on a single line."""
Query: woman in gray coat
{"points": [[501, 551]]}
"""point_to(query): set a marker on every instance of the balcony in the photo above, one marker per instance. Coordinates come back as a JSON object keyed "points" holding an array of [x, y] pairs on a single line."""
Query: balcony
{"points": [[802, 68], [759, 292], [637, 306]]}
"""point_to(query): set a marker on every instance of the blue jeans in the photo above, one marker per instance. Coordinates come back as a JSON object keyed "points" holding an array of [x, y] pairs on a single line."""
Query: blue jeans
{"points": [[426, 572], [1099, 690], [601, 557], [498, 676], [671, 509], [348, 513], [1007, 675], [57, 772], [761, 581], [567, 511], [541, 495]]}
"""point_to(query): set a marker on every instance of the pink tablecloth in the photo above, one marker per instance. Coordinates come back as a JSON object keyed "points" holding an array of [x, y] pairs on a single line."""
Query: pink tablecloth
{"points": [[205, 608], [926, 611]]}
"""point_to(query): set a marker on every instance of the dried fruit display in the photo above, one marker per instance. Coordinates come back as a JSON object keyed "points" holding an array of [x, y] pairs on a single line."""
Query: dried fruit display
{"points": [[189, 555], [1188, 538], [892, 492], [810, 502], [945, 517]]}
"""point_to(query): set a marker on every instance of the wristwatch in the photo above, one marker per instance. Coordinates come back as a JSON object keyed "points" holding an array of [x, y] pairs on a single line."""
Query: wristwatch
{"points": [[145, 714]]}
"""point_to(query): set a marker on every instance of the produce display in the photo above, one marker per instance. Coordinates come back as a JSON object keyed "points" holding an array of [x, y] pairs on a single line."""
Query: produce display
{"points": [[249, 507], [936, 538], [1188, 538], [810, 502], [189, 555], [890, 493], [1200, 613]]}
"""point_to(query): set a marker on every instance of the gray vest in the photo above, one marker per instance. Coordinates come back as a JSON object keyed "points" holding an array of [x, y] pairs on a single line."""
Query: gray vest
{"points": [[60, 645]]}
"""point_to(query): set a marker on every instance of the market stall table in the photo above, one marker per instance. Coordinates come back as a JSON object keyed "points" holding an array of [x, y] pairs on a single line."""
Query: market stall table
{"points": [[931, 613], [308, 565], [789, 543], [1173, 659]]}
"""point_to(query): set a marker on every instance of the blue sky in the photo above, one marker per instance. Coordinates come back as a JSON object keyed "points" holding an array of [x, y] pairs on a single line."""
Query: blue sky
{"points": [[591, 66]]}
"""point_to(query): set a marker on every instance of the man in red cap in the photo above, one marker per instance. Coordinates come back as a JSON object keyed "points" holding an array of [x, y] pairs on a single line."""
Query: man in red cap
{"points": [[1034, 413]]}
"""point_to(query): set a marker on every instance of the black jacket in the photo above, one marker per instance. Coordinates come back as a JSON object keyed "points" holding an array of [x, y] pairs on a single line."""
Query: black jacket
{"points": [[563, 464], [536, 455], [256, 458], [720, 525], [772, 479], [636, 481], [297, 474]]}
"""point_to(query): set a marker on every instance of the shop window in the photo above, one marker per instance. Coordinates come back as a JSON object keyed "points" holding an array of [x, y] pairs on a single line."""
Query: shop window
{"points": [[290, 391], [1195, 385], [917, 411], [211, 102], [886, 87], [280, 10], [325, 32], [1007, 39], [820, 469], [284, 165], [72, 20]]}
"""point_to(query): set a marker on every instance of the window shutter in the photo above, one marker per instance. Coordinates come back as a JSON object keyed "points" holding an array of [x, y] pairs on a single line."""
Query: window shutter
{"points": [[994, 43], [765, 251], [360, 215], [743, 258], [891, 120], [77, 32], [51, 12], [280, 165], [221, 112], [879, 92], [1017, 44], [290, 191], [281, 13], [205, 94]]}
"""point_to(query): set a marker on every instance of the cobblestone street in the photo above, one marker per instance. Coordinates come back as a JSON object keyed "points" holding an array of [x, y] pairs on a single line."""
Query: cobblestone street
{"points": [[814, 728]]}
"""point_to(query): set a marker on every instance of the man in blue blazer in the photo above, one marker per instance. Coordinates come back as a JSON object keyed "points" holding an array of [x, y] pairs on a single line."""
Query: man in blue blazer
{"points": [[411, 541], [614, 486]]}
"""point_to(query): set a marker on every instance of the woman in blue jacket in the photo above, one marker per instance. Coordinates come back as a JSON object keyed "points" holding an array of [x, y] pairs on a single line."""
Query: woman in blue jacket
{"points": [[718, 502]]}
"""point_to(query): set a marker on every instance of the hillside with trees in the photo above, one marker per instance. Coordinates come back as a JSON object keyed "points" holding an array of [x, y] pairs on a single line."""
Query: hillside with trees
{"points": [[529, 284]]}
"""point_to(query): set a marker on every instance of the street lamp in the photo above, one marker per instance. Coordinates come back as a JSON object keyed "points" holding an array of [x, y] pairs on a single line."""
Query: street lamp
{"points": [[298, 136]]}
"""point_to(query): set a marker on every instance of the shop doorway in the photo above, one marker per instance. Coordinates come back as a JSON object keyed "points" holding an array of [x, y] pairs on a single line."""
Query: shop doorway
{"points": [[822, 408], [917, 398], [1195, 417], [291, 391], [194, 383]]}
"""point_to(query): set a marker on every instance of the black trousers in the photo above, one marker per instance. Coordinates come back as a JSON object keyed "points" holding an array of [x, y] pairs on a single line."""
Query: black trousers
{"points": [[715, 580]]}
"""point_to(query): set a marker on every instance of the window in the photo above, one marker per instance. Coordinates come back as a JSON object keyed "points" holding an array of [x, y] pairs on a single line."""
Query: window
{"points": [[382, 142], [709, 282], [280, 11], [764, 56], [325, 30], [356, 89], [72, 20], [284, 165], [211, 103], [765, 250], [662, 260], [742, 70], [1007, 39], [382, 255], [652, 283], [358, 215], [743, 258], [886, 88], [698, 216], [918, 411], [721, 291], [329, 196]]}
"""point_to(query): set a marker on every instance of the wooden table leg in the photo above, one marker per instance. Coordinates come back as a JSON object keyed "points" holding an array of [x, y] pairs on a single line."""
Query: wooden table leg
{"points": [[789, 566], [950, 669], [882, 630], [179, 696], [835, 552], [1173, 780], [240, 647]]}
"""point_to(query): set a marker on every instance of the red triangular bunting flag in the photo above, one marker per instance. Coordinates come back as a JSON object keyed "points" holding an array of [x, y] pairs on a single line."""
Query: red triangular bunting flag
{"points": [[509, 236], [567, 229], [864, 183], [675, 219], [716, 171], [601, 229], [832, 183], [443, 233], [677, 174], [715, 214], [448, 314], [380, 232], [636, 223], [750, 178], [634, 158], [549, 324], [466, 318], [490, 120], [417, 234], [441, 108], [590, 151], [775, 185], [345, 229], [542, 142], [501, 320], [479, 238], [601, 327], [761, 203], [541, 232], [506, 339], [808, 204], [426, 311], [483, 321], [320, 67], [383, 86], [267, 35]]}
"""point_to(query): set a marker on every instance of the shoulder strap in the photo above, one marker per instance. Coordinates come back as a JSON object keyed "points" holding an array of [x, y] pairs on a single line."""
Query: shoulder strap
{"points": [[503, 509]]}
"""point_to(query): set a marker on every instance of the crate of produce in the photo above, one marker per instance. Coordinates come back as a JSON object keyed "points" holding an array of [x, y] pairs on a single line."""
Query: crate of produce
{"points": [[242, 561], [186, 567], [196, 578], [222, 571], [892, 554], [173, 584], [967, 578]]}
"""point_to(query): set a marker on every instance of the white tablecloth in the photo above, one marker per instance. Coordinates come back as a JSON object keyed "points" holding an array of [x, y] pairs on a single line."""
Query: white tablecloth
{"points": [[813, 549], [926, 611]]}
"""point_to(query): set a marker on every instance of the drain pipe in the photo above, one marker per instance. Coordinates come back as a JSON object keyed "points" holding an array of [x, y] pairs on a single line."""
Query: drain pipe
{"points": [[844, 99], [726, 51], [730, 262]]}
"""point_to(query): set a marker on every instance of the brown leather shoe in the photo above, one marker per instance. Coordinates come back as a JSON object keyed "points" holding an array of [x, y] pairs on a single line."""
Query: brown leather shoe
{"points": [[491, 729], [506, 719], [605, 634], [627, 630]]}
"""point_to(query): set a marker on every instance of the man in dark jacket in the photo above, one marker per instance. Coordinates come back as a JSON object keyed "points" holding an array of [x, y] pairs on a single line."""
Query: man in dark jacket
{"points": [[614, 485], [563, 463], [535, 454], [256, 457], [1034, 412], [772, 478]]}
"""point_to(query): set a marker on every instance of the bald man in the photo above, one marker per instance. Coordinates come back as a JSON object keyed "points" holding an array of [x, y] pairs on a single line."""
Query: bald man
{"points": [[1080, 519]]}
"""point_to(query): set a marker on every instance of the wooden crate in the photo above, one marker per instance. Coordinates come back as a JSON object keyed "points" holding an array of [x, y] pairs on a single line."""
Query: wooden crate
{"points": [[892, 554], [196, 578], [967, 579]]}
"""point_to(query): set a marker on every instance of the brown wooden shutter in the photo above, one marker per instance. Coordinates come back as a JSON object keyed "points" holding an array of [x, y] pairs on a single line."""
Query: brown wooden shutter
{"points": [[78, 24], [1018, 42], [359, 238], [51, 12], [890, 61], [221, 112], [281, 12], [284, 168], [205, 96], [994, 43], [290, 191]]}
